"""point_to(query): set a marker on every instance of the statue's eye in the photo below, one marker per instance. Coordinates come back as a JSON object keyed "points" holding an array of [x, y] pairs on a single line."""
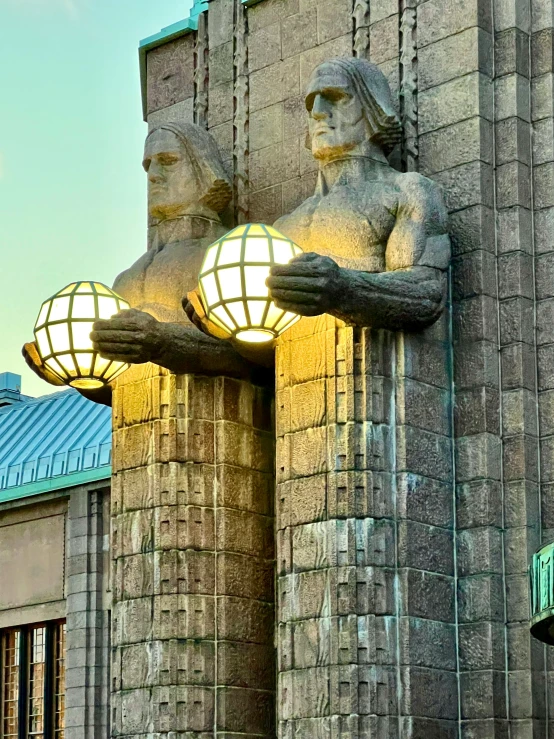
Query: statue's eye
{"points": [[166, 160], [337, 96]]}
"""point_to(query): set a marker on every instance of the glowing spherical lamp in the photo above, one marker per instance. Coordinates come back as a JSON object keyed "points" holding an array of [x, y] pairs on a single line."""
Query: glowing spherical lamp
{"points": [[232, 283], [62, 334]]}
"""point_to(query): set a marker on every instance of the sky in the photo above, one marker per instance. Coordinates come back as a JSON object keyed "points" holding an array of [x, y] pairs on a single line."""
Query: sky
{"points": [[72, 188]]}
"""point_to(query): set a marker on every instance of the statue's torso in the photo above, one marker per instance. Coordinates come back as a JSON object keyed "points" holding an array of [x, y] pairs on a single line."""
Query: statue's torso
{"points": [[162, 277], [350, 225]]}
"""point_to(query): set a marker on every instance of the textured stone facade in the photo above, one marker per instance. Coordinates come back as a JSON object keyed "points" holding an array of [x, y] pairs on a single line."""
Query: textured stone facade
{"points": [[192, 549], [421, 491]]}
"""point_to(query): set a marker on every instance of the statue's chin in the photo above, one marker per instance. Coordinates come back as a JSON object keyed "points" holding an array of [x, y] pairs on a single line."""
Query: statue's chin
{"points": [[330, 152], [162, 212]]}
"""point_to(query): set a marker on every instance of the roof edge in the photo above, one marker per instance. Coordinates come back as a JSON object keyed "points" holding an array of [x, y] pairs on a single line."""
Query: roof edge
{"points": [[56, 483]]}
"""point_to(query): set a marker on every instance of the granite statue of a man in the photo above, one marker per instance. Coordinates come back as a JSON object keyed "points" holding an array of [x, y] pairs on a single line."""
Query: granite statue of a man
{"points": [[376, 257], [192, 479], [187, 190]]}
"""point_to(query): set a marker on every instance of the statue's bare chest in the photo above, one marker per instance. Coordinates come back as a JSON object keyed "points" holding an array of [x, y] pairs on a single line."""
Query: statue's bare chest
{"points": [[353, 230], [158, 281]]}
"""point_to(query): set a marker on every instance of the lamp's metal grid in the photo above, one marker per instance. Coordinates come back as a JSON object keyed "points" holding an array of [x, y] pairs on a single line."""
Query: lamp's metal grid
{"points": [[92, 370], [272, 320]]}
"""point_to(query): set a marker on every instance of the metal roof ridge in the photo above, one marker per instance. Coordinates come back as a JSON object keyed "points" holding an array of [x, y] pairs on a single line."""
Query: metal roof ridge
{"points": [[34, 401]]}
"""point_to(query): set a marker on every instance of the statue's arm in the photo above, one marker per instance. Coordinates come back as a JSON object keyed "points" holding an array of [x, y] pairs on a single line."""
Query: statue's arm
{"points": [[408, 299], [185, 349], [136, 337], [410, 294]]}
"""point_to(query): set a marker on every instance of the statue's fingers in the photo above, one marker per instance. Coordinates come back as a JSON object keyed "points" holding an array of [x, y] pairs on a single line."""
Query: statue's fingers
{"points": [[297, 297], [124, 321], [31, 355], [191, 314], [109, 336], [299, 309], [110, 348], [307, 256], [304, 284], [294, 269], [126, 358]]}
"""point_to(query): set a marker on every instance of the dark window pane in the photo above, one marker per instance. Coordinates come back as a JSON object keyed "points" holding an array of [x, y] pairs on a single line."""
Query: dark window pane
{"points": [[59, 682], [37, 669], [10, 683]]}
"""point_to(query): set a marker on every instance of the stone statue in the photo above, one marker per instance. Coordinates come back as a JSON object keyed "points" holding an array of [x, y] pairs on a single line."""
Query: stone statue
{"points": [[379, 237], [187, 190], [192, 477], [376, 256]]}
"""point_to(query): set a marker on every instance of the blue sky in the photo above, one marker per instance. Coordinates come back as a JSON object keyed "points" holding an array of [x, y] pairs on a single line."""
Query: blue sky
{"points": [[72, 190]]}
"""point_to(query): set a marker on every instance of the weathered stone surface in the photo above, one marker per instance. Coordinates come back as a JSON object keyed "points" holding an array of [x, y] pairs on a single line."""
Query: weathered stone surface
{"points": [[169, 78], [365, 444]]}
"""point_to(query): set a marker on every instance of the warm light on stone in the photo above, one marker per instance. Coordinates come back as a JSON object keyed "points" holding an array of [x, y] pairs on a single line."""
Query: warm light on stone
{"points": [[232, 283], [62, 334]]}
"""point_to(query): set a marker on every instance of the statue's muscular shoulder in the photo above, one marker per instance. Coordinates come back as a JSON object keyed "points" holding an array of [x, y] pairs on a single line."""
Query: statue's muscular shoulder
{"points": [[422, 199], [130, 283]]}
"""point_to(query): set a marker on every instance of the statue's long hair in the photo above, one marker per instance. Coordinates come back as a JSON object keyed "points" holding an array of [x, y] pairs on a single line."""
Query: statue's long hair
{"points": [[373, 90], [206, 159]]}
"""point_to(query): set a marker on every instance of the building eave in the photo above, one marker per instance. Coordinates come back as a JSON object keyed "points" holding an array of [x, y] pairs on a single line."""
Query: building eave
{"points": [[55, 484]]}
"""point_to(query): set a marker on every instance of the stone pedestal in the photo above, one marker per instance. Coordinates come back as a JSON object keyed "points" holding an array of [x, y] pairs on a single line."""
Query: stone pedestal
{"points": [[366, 620], [192, 547]]}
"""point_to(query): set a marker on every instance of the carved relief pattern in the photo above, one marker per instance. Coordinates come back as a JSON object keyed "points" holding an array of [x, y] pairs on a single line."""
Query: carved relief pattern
{"points": [[408, 84], [361, 17], [241, 116], [201, 72], [193, 554], [336, 533]]}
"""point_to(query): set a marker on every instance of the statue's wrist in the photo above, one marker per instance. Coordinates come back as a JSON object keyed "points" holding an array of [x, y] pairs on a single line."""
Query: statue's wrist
{"points": [[340, 289]]}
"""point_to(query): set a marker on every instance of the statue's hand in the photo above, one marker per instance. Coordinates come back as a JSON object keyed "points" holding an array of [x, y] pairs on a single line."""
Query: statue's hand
{"points": [[34, 362], [192, 305], [130, 336], [309, 285]]}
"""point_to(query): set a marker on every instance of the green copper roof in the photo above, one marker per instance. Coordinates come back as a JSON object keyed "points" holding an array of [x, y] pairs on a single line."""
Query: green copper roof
{"points": [[53, 442]]}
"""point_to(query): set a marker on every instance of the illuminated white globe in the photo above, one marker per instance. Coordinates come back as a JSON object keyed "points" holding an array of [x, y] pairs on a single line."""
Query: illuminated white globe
{"points": [[62, 334], [232, 283]]}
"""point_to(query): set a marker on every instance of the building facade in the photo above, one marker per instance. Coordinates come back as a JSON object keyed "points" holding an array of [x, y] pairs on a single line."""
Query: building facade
{"points": [[455, 469], [55, 454]]}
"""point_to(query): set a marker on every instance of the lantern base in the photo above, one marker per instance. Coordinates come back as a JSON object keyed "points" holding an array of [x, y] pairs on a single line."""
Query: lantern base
{"points": [[255, 336], [86, 384]]}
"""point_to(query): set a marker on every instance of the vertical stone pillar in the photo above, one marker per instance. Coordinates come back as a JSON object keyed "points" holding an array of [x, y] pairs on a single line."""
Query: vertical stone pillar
{"points": [[542, 116], [515, 198], [337, 621], [88, 629], [192, 557]]}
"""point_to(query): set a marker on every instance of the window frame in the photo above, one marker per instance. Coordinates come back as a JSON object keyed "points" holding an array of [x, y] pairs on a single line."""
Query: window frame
{"points": [[49, 694]]}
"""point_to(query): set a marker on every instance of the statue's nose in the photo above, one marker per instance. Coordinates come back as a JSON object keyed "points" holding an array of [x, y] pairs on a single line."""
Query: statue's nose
{"points": [[320, 109]]}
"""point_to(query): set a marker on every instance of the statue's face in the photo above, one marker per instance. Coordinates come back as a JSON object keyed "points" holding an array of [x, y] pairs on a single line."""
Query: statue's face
{"points": [[337, 120], [172, 181]]}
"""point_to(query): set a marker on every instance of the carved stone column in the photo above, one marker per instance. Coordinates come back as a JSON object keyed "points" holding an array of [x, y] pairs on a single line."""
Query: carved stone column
{"points": [[336, 555], [192, 557]]}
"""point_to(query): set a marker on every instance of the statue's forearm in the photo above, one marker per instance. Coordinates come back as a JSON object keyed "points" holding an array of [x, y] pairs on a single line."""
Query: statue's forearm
{"points": [[187, 350], [409, 300]]}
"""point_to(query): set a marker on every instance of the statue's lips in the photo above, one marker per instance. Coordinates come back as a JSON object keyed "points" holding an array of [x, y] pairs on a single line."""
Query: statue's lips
{"points": [[320, 130]]}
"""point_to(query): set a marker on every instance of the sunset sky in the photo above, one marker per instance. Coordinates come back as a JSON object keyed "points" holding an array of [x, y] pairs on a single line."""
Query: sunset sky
{"points": [[72, 189]]}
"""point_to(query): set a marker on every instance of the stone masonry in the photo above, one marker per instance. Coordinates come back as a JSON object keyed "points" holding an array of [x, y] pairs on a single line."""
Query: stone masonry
{"points": [[192, 550], [435, 527]]}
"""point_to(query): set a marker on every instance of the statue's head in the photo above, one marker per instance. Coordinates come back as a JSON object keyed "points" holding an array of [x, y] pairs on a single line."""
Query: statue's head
{"points": [[185, 171], [349, 102]]}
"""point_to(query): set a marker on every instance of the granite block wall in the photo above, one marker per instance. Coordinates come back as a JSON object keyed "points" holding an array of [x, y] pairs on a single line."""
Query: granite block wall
{"points": [[467, 406], [192, 557]]}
